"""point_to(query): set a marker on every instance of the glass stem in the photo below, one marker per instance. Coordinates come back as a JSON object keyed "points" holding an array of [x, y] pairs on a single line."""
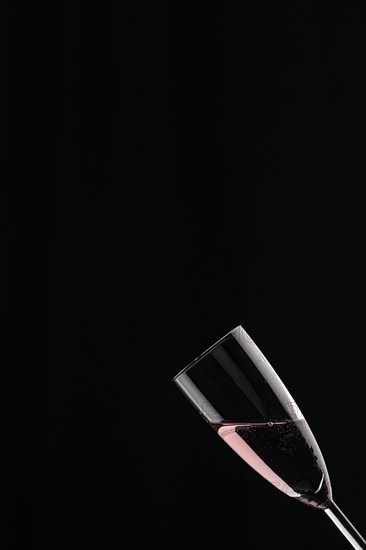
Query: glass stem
{"points": [[345, 526]]}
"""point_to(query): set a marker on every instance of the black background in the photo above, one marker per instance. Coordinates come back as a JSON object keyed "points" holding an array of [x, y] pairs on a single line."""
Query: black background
{"points": [[169, 171]]}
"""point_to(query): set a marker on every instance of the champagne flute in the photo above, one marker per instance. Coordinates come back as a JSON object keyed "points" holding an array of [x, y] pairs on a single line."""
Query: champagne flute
{"points": [[239, 394]]}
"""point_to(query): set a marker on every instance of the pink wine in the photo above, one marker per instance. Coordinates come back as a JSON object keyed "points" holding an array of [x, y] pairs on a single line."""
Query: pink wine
{"points": [[284, 453]]}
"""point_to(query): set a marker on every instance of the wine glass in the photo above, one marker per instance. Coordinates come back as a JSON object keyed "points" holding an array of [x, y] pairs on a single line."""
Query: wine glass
{"points": [[238, 393]]}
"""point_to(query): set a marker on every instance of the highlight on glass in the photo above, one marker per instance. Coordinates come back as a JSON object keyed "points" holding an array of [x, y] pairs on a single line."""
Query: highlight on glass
{"points": [[238, 393]]}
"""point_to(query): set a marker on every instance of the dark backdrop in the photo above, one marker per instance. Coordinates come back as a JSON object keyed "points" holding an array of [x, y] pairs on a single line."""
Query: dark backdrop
{"points": [[169, 171]]}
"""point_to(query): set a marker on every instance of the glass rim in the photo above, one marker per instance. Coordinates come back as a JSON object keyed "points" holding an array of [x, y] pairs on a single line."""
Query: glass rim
{"points": [[205, 353]]}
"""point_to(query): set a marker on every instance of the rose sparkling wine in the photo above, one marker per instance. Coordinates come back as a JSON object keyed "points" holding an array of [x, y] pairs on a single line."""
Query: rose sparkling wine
{"points": [[239, 394], [285, 454]]}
